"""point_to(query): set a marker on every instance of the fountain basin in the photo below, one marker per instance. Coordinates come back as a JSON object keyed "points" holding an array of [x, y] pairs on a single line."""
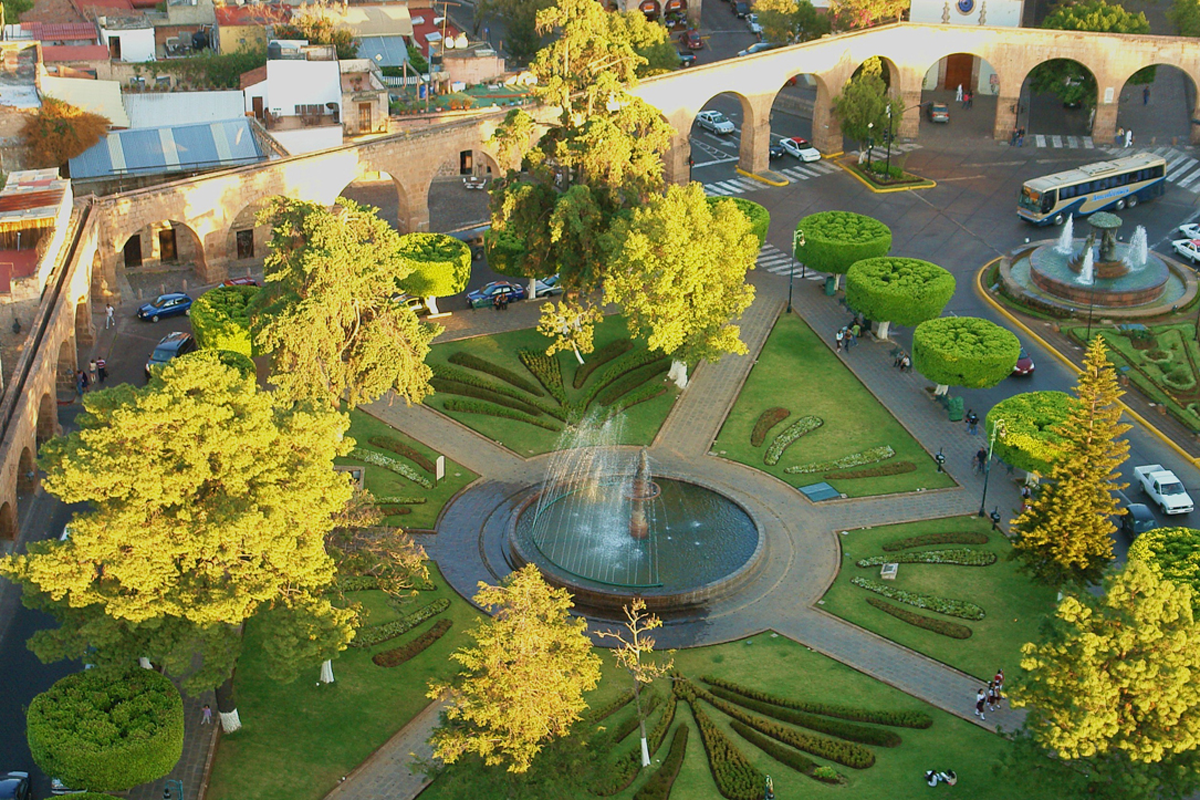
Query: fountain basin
{"points": [[1114, 286]]}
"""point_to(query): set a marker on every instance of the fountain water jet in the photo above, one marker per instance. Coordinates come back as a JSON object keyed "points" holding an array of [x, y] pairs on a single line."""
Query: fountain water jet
{"points": [[1139, 249], [1087, 268], [1066, 239]]}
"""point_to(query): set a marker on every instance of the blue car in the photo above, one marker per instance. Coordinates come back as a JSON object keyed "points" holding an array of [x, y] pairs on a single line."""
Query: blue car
{"points": [[174, 344], [166, 305], [486, 295]]}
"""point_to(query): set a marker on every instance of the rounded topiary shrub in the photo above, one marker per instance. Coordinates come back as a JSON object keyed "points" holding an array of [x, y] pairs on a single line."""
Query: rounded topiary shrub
{"points": [[1027, 440], [964, 351], [505, 253], [834, 240], [107, 730], [760, 218], [1174, 553], [441, 264], [905, 291], [221, 319]]}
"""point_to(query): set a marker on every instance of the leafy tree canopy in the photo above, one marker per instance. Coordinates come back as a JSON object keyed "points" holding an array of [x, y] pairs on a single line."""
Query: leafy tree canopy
{"points": [[760, 218], [1069, 80], [1029, 439], [901, 290], [440, 264], [833, 240], [318, 26], [964, 351], [59, 132], [1185, 16], [221, 319], [1173, 553], [790, 21], [854, 14], [863, 106]]}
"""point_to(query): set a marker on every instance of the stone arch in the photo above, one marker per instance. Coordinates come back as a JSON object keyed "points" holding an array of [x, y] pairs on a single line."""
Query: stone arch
{"points": [[68, 363], [975, 74], [651, 8], [383, 191], [168, 243], [47, 419], [1041, 109], [751, 135], [8, 522], [1142, 106], [803, 106], [247, 239], [27, 477]]}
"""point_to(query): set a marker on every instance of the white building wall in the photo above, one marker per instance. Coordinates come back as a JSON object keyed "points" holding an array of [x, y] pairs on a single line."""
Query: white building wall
{"points": [[292, 83], [994, 13], [136, 45], [309, 140], [257, 90]]}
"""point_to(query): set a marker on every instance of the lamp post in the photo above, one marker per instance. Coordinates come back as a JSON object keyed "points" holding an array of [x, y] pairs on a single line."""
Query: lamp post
{"points": [[997, 427], [1091, 305], [888, 168], [797, 242], [870, 141]]}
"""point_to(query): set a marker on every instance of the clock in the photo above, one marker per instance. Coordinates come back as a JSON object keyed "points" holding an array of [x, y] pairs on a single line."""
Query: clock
{"points": [[965, 6]]}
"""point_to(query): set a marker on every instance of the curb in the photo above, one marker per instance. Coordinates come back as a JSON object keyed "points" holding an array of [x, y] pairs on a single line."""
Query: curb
{"points": [[1004, 312], [932, 184], [763, 179]]}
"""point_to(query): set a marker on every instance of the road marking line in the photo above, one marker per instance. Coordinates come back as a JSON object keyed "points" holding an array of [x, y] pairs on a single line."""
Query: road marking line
{"points": [[1072, 141], [1088, 144], [1183, 184], [1174, 174], [1056, 141]]}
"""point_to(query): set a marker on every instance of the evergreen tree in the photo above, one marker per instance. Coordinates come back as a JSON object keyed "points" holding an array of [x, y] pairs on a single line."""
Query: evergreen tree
{"points": [[1064, 537]]}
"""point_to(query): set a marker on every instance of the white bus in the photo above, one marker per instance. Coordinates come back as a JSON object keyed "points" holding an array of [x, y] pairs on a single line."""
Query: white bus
{"points": [[1117, 184]]}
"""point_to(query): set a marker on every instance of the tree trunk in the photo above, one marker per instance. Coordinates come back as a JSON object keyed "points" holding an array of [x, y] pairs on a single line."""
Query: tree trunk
{"points": [[578, 355], [837, 281], [144, 663], [227, 707], [678, 373], [1032, 478], [881, 331], [533, 288], [941, 390], [637, 699], [327, 671], [431, 304]]}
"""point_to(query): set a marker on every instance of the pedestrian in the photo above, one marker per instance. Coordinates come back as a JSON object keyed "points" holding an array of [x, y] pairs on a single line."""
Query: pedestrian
{"points": [[1120, 136], [496, 302], [1026, 494], [93, 372], [856, 330], [906, 363], [1020, 137], [1012, 142], [80, 381], [980, 699], [840, 337], [109, 319], [972, 423], [999, 681], [981, 459], [1129, 137], [102, 369], [970, 100], [206, 715], [993, 698], [958, 94], [1146, 95]]}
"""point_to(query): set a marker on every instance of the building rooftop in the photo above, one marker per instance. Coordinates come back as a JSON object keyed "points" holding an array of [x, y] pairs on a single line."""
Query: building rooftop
{"points": [[98, 97], [386, 51], [151, 109], [389, 20], [59, 53], [18, 71], [252, 15], [254, 76], [155, 151], [31, 195], [61, 32]]}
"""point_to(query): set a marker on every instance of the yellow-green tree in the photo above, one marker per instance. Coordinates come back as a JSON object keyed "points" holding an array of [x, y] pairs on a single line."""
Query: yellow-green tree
{"points": [[631, 652], [60, 131], [1173, 553], [326, 314], [1065, 535], [521, 682], [678, 271]]}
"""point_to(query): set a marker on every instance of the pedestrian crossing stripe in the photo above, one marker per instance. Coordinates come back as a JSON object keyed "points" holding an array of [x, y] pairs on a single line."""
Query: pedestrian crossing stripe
{"points": [[773, 260]]}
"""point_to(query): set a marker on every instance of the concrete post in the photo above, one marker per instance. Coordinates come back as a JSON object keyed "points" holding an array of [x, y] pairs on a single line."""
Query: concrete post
{"points": [[827, 128], [755, 155], [675, 161], [1104, 128], [910, 122], [1006, 117]]}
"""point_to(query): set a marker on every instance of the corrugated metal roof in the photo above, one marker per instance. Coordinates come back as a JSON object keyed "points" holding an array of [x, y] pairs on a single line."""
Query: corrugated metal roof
{"points": [[386, 51], [154, 151], [98, 97], [152, 109]]}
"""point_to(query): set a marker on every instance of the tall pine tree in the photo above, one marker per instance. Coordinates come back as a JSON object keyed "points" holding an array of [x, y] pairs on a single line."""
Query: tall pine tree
{"points": [[1064, 537]]}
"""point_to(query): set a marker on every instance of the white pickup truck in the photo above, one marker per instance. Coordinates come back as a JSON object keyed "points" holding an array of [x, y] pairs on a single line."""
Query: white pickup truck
{"points": [[1164, 488]]}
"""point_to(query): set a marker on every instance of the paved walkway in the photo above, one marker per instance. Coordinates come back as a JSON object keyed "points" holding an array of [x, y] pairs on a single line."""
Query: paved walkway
{"points": [[386, 774]]}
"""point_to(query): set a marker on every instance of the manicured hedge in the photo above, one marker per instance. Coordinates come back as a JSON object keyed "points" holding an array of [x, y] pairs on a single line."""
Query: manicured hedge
{"points": [[471, 361], [397, 656], [788, 436], [906, 291], [660, 783], [632, 380], [394, 511], [221, 319], [871, 456], [760, 218], [942, 605], [952, 537], [466, 390], [474, 407], [647, 392], [834, 727], [604, 354], [452, 373], [956, 556], [777, 750], [890, 468], [402, 500], [372, 635], [735, 776], [627, 725], [595, 715], [964, 351], [402, 468], [767, 420], [617, 368], [404, 449], [898, 719], [548, 372], [625, 769], [440, 264], [834, 240], [943, 626], [107, 730], [1029, 441]]}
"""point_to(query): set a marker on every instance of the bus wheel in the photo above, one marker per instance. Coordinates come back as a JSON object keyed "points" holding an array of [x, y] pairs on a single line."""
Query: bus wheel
{"points": [[1058, 219], [1120, 205], [1131, 201]]}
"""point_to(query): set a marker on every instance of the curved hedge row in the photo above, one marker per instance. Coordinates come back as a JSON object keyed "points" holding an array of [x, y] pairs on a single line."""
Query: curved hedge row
{"points": [[660, 783], [606, 353], [834, 240], [472, 407], [618, 368], [735, 776], [958, 556], [942, 605], [471, 361], [403, 449], [767, 420], [595, 715], [453, 373], [372, 635], [897, 719], [390, 464], [405, 652], [641, 395], [547, 370], [954, 537], [221, 319], [632, 380], [625, 769], [883, 470], [834, 727], [943, 626], [617, 734], [782, 753], [870, 456], [446, 386], [788, 436]]}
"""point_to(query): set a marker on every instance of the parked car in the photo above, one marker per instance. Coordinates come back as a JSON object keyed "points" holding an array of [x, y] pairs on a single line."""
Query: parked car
{"points": [[692, 40], [1137, 519], [15, 786], [741, 8], [1161, 486], [417, 304], [687, 59], [776, 151], [172, 345], [1190, 231], [714, 121], [58, 788], [1188, 248], [244, 281], [752, 24], [1024, 365], [171, 304], [545, 287], [758, 48], [486, 295], [801, 148], [937, 112]]}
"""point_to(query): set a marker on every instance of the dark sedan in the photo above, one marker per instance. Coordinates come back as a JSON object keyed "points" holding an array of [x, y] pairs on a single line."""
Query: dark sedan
{"points": [[776, 151], [486, 295], [171, 304], [1024, 365], [172, 345], [15, 786]]}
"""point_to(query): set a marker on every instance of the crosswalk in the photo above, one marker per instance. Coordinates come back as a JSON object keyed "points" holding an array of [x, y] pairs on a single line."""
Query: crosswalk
{"points": [[1061, 142], [794, 174], [773, 260]]}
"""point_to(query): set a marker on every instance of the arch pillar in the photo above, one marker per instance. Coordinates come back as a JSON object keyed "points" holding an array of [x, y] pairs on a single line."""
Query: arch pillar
{"points": [[214, 267], [1006, 116], [910, 120], [414, 208], [826, 127], [1104, 127], [85, 329], [675, 161], [755, 152], [693, 13]]}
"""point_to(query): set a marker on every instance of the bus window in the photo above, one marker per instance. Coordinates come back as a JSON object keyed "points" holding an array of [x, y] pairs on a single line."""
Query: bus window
{"points": [[1048, 199]]}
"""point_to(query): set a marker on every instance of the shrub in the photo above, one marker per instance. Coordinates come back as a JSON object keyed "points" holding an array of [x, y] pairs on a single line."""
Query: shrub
{"points": [[596, 715], [767, 420], [776, 750], [474, 362], [942, 605], [221, 319], [59, 132], [602, 356], [632, 380], [760, 218], [789, 435], [1173, 553], [898, 719], [548, 372], [452, 373], [958, 556], [964, 351], [942, 626], [833, 240], [405, 652], [372, 635], [871, 456], [624, 770], [953, 537], [395, 511], [472, 407], [466, 390], [505, 253], [735, 776], [625, 364], [107, 730], [833, 727], [389, 463], [1029, 441], [660, 783], [401, 500], [440, 264], [891, 468], [403, 449], [647, 392], [906, 291]]}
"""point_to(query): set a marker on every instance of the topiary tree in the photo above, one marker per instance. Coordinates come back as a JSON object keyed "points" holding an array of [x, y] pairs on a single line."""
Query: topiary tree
{"points": [[441, 266], [221, 319], [1174, 553], [107, 730], [760, 218], [833, 240], [1027, 439], [906, 291], [964, 351]]}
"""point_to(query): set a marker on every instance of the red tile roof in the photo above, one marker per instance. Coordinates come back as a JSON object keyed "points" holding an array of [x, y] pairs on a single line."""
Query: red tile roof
{"points": [[106, 5], [426, 27], [248, 79], [62, 32], [16, 264], [29, 200], [252, 15], [74, 52]]}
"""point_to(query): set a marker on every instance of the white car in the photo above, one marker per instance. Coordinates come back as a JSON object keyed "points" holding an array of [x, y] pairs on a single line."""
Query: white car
{"points": [[546, 287], [800, 148], [1190, 230], [714, 121], [1188, 248], [752, 24]]}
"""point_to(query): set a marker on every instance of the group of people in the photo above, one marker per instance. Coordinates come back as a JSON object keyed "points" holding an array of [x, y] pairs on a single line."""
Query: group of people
{"points": [[965, 97], [1124, 137], [1018, 137], [902, 361], [97, 372], [500, 302], [847, 335], [989, 699], [934, 777]]}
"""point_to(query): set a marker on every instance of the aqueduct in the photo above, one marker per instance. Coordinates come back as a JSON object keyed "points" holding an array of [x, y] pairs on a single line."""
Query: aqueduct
{"points": [[212, 205]]}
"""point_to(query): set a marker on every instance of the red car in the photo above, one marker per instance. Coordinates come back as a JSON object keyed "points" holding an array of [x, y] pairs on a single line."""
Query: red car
{"points": [[692, 40], [246, 281], [1024, 365]]}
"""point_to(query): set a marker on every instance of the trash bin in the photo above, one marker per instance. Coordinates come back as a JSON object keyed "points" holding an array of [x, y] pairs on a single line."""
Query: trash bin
{"points": [[955, 409], [830, 284]]}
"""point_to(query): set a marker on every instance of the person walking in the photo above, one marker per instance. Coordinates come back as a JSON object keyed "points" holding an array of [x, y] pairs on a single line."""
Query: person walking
{"points": [[80, 381], [839, 337], [993, 698], [93, 372], [1120, 138], [980, 699], [102, 369], [1146, 95], [206, 715], [1129, 137], [109, 320], [958, 94], [980, 459], [1020, 137], [972, 423]]}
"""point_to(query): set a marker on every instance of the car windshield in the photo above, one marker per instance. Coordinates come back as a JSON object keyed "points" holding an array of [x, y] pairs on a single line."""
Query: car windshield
{"points": [[718, 117], [1030, 199], [1172, 488], [163, 353], [159, 302]]}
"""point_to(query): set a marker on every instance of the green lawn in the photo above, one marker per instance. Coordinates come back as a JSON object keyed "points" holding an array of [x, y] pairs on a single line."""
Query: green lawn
{"points": [[1014, 605], [641, 422], [383, 483], [780, 666], [798, 372], [300, 739]]}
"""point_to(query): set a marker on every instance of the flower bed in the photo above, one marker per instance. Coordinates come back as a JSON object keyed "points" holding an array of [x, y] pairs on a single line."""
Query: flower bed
{"points": [[958, 556], [389, 463], [788, 436], [899, 719], [767, 420], [615, 348], [402, 449], [548, 372], [941, 626], [834, 727], [473, 407], [872, 456], [508, 376], [735, 776], [781, 752], [466, 390], [942, 605], [401, 500], [955, 537], [660, 783], [891, 468], [401, 654], [632, 380], [372, 635]]}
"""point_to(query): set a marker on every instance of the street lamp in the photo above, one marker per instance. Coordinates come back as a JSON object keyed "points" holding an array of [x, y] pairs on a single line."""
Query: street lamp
{"points": [[888, 168], [870, 141], [797, 242], [1091, 305], [997, 427]]}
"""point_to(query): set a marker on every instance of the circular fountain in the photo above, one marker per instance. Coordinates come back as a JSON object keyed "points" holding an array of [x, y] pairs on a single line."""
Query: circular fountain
{"points": [[605, 527]]}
